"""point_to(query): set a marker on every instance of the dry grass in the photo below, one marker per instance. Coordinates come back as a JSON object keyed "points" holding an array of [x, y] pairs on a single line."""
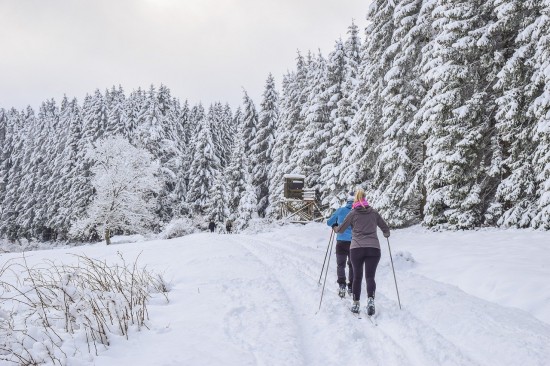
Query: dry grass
{"points": [[43, 308]]}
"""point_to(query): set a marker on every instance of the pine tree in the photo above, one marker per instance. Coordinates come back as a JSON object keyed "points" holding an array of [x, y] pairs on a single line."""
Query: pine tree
{"points": [[455, 115], [205, 167], [235, 172], [75, 179], [217, 205], [116, 113], [512, 145], [342, 76], [540, 110], [262, 144], [293, 116], [250, 122], [248, 204], [12, 173], [281, 148], [397, 189], [366, 130], [311, 145], [42, 161]]}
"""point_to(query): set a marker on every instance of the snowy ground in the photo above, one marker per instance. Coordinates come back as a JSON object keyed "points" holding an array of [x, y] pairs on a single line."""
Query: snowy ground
{"points": [[469, 298]]}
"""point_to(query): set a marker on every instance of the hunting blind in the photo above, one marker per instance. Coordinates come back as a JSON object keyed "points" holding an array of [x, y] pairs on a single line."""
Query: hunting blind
{"points": [[299, 204]]}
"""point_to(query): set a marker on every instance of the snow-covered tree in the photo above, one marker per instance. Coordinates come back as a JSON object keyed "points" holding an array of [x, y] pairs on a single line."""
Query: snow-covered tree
{"points": [[455, 115], [281, 147], [512, 144], [311, 145], [397, 186], [248, 204], [342, 76], [126, 183], [235, 171], [366, 130], [262, 144], [205, 166], [540, 109]]}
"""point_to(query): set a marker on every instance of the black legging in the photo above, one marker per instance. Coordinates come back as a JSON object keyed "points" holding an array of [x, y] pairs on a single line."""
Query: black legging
{"points": [[369, 257]]}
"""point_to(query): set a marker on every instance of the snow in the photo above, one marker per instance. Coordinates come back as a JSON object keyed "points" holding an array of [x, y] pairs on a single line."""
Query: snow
{"points": [[294, 176], [468, 297]]}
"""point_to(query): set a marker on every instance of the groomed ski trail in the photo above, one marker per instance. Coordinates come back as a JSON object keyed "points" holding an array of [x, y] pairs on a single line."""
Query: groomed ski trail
{"points": [[439, 325]]}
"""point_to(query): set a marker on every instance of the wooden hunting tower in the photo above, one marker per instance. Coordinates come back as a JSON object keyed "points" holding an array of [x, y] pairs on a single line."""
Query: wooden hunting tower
{"points": [[294, 186], [299, 204]]}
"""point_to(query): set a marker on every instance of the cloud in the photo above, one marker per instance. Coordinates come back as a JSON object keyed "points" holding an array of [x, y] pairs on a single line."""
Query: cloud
{"points": [[203, 50]]}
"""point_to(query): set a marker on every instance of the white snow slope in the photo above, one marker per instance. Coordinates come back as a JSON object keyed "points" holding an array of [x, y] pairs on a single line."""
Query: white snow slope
{"points": [[469, 298]]}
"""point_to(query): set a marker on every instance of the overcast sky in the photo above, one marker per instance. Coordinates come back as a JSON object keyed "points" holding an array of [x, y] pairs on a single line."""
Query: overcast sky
{"points": [[203, 50]]}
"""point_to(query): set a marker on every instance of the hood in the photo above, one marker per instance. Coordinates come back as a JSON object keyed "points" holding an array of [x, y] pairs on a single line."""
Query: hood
{"points": [[362, 209]]}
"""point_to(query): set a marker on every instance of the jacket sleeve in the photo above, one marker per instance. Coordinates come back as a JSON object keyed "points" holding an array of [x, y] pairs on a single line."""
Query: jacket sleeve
{"points": [[333, 220], [382, 225], [347, 222]]}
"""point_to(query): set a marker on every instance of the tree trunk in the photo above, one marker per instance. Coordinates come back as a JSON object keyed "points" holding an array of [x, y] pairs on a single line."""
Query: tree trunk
{"points": [[107, 236]]}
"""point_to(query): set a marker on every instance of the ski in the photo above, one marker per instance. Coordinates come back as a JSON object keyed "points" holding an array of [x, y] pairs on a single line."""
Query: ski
{"points": [[357, 315], [372, 319]]}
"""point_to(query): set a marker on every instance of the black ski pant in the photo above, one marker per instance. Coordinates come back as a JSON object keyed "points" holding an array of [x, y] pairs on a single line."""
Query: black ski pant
{"points": [[342, 258], [369, 258]]}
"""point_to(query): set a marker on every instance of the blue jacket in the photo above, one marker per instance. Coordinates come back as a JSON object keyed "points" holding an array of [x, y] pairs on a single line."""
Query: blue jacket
{"points": [[338, 218]]}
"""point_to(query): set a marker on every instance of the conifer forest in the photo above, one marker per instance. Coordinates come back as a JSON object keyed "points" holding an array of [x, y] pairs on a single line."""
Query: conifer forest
{"points": [[439, 109]]}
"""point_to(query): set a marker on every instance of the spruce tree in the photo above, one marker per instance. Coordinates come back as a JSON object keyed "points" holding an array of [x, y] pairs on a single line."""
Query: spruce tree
{"points": [[262, 144], [366, 131], [540, 110], [455, 116], [205, 167], [311, 146], [512, 145], [397, 186], [235, 171]]}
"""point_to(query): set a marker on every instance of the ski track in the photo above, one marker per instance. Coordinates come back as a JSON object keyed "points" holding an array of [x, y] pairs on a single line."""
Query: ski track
{"points": [[452, 330], [256, 333], [429, 343]]}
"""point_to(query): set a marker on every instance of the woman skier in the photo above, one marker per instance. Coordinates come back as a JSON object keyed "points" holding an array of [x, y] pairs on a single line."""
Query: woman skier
{"points": [[365, 247]]}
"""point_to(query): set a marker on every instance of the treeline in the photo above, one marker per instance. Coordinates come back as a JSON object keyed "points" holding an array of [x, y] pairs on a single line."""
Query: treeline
{"points": [[441, 111]]}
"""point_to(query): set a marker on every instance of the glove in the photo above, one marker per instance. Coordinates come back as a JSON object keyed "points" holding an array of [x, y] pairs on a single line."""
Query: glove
{"points": [[335, 228], [387, 235], [334, 225]]}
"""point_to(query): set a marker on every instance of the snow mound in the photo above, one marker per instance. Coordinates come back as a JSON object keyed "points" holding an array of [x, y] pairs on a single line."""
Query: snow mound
{"points": [[403, 260], [177, 228], [123, 239], [257, 226]]}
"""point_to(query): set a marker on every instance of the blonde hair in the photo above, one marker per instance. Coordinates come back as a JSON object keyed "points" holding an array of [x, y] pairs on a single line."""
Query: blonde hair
{"points": [[359, 195]]}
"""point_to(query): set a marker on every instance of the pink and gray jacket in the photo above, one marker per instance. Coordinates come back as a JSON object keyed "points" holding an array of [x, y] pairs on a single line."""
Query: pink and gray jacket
{"points": [[364, 221]]}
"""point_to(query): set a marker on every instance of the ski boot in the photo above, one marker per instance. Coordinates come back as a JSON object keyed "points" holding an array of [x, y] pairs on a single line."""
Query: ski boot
{"points": [[370, 306], [342, 291], [355, 308]]}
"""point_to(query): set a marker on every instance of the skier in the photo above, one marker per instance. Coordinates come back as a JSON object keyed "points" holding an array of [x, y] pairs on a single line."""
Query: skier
{"points": [[212, 226], [343, 242], [228, 226], [365, 247]]}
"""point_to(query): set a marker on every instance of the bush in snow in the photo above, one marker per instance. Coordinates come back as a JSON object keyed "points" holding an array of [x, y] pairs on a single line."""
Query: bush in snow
{"points": [[50, 313], [178, 227]]}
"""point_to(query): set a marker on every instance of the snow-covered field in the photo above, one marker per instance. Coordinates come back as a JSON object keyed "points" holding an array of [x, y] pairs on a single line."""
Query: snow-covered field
{"points": [[469, 298]]}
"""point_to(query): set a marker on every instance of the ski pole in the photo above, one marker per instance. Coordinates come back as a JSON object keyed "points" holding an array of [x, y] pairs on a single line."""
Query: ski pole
{"points": [[326, 272], [322, 269], [396, 289]]}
